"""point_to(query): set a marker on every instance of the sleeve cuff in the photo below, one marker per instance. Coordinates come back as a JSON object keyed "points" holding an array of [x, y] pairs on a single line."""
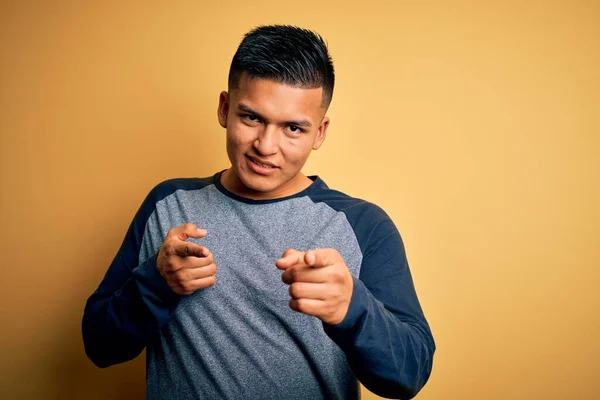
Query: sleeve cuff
{"points": [[152, 285], [355, 310]]}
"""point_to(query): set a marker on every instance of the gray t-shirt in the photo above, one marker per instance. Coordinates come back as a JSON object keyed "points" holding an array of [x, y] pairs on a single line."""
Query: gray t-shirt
{"points": [[239, 339]]}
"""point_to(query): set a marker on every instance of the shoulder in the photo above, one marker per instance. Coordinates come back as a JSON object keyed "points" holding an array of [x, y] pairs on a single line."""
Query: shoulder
{"points": [[170, 186], [380, 241], [357, 210], [166, 188], [368, 220]]}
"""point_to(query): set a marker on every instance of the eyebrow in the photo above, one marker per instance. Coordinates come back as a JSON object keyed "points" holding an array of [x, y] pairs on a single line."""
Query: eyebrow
{"points": [[303, 122]]}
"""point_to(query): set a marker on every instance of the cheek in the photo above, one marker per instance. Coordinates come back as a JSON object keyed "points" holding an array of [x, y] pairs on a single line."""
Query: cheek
{"points": [[240, 134], [296, 151], [237, 138]]}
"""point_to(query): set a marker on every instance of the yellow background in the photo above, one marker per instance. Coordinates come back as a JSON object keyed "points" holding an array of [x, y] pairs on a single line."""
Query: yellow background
{"points": [[475, 126]]}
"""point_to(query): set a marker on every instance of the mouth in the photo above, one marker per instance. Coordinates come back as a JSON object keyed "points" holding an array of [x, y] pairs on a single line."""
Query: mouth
{"points": [[261, 163]]}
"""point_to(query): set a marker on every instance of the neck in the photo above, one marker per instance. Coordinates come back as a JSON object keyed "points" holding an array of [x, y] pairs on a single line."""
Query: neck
{"points": [[234, 184]]}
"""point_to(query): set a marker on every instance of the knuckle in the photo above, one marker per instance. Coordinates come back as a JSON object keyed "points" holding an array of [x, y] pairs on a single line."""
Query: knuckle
{"points": [[188, 226], [300, 305], [179, 276], [287, 252], [212, 269], [170, 265], [293, 290], [211, 280], [164, 265], [338, 275], [185, 286], [295, 274], [169, 248]]}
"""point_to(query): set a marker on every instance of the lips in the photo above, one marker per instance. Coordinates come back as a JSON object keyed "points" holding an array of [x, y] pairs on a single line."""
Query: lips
{"points": [[261, 163]]}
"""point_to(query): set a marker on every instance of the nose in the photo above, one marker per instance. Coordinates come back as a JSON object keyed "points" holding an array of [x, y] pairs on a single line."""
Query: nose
{"points": [[267, 142]]}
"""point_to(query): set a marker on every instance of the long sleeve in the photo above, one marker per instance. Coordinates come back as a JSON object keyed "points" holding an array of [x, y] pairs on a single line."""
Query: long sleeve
{"points": [[385, 336], [132, 302]]}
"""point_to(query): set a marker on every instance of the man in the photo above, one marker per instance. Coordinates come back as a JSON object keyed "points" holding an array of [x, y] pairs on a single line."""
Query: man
{"points": [[313, 290]]}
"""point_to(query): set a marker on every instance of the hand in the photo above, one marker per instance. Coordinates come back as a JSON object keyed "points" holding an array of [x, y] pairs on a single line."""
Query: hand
{"points": [[320, 283], [186, 266]]}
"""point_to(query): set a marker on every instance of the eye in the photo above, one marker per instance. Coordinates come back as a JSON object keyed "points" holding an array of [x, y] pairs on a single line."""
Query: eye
{"points": [[295, 129], [250, 117]]}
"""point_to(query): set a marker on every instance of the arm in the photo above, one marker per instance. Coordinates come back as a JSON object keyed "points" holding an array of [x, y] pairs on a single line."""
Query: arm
{"points": [[132, 302], [384, 334]]}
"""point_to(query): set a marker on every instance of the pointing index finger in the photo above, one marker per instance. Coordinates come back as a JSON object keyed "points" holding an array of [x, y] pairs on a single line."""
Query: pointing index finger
{"points": [[186, 231]]}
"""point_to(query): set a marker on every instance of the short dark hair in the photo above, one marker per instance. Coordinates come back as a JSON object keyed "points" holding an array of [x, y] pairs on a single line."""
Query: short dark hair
{"points": [[286, 54]]}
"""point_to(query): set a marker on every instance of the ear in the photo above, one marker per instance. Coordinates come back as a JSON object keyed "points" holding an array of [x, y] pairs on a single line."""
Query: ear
{"points": [[321, 133], [223, 110]]}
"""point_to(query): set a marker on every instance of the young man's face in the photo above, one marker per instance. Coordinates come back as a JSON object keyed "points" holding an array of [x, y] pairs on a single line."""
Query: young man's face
{"points": [[271, 130]]}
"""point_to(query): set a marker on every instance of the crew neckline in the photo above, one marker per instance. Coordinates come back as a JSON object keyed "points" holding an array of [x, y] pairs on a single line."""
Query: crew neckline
{"points": [[313, 186]]}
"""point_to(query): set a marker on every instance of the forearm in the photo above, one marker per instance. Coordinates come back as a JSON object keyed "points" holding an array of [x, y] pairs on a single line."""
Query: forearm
{"points": [[117, 324], [390, 351]]}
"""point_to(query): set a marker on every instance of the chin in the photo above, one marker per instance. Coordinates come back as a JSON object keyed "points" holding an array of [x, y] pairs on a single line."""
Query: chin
{"points": [[262, 185], [255, 182]]}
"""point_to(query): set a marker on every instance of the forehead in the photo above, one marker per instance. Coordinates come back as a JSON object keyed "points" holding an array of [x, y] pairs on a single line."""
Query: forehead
{"points": [[278, 100]]}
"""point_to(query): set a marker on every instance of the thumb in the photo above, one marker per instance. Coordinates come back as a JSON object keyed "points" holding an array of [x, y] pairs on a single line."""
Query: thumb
{"points": [[188, 230], [289, 258], [319, 258]]}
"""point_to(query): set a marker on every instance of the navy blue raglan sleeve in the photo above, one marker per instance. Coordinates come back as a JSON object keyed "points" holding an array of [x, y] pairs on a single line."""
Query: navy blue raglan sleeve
{"points": [[132, 302], [385, 336]]}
